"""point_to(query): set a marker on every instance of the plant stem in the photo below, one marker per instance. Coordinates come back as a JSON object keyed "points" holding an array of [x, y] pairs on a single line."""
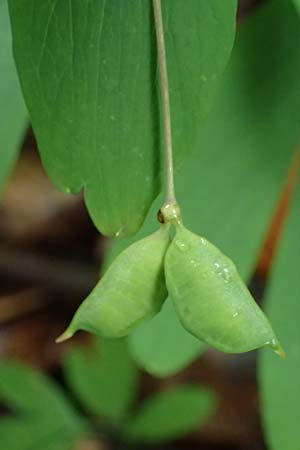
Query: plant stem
{"points": [[164, 89]]}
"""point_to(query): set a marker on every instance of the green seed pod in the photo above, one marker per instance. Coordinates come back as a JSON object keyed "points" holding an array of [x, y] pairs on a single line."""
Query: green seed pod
{"points": [[132, 290], [211, 299]]}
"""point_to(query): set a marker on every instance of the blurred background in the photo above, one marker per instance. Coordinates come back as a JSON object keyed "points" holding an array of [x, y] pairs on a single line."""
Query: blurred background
{"points": [[50, 258]]}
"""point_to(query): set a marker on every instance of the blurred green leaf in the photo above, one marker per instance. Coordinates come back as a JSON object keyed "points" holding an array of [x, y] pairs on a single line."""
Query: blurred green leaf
{"points": [[103, 377], [297, 4], [162, 346], [170, 414], [229, 187], [279, 379], [28, 391], [33, 434], [88, 72], [13, 116], [13, 432], [43, 412]]}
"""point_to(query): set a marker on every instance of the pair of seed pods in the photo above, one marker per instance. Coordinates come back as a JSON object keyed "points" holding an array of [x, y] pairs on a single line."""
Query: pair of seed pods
{"points": [[209, 296]]}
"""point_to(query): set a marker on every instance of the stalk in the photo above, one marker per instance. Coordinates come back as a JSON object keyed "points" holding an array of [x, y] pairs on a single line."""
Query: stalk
{"points": [[170, 209]]}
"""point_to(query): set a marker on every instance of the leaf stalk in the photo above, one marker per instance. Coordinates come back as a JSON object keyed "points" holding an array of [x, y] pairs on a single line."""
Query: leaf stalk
{"points": [[170, 199]]}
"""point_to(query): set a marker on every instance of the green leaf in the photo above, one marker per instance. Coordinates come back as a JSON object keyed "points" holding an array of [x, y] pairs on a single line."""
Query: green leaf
{"points": [[279, 379], [228, 188], [297, 4], [13, 116], [162, 346], [170, 414], [37, 434], [228, 191], [13, 432], [103, 377], [28, 392], [88, 73], [199, 39]]}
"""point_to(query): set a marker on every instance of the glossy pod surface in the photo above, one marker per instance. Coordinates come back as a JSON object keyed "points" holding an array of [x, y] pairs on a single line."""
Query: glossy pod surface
{"points": [[211, 300], [132, 290]]}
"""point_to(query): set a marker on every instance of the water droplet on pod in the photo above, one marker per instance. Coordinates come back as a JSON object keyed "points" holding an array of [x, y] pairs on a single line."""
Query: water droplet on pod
{"points": [[222, 271], [183, 246], [194, 263]]}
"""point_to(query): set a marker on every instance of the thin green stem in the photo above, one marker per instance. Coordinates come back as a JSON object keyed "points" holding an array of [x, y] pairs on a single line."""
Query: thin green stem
{"points": [[164, 89]]}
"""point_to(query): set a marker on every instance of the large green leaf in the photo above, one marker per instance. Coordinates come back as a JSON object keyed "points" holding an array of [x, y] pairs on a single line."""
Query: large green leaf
{"points": [[228, 188], [88, 73], [29, 393], [103, 377], [13, 116], [162, 346], [170, 414], [280, 379]]}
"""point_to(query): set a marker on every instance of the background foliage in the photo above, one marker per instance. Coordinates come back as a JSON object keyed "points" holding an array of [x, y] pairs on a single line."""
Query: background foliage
{"points": [[13, 116], [44, 416], [279, 382]]}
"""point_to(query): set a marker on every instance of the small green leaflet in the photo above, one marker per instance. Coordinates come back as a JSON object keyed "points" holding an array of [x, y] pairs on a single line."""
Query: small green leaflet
{"points": [[13, 115], [34, 434], [26, 390], [103, 377], [89, 77], [279, 379], [170, 414], [228, 188], [43, 414]]}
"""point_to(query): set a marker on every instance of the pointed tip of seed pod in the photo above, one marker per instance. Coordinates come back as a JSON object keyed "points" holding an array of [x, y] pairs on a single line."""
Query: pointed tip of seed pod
{"points": [[64, 336], [280, 352], [277, 348]]}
